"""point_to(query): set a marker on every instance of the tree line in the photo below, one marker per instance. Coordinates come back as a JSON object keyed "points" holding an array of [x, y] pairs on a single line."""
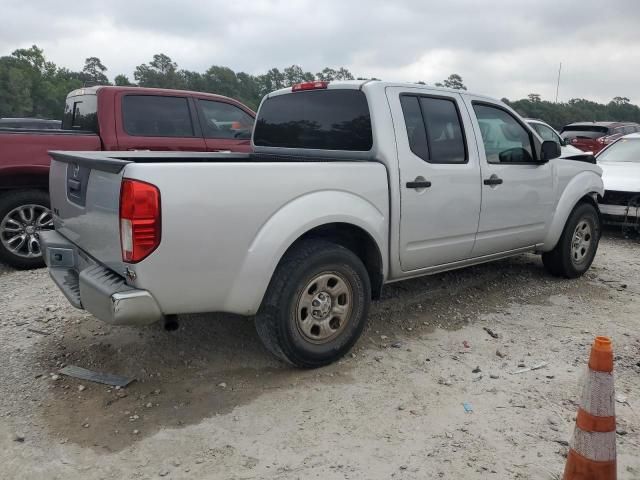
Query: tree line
{"points": [[32, 86]]}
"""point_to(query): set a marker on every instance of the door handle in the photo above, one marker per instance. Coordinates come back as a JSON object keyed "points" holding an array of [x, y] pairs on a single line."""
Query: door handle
{"points": [[492, 180], [419, 184]]}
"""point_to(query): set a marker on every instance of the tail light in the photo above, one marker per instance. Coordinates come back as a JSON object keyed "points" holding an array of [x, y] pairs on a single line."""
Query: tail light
{"points": [[139, 219], [298, 87], [603, 140]]}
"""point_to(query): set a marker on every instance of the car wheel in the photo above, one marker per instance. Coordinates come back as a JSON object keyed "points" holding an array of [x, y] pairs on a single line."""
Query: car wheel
{"points": [[316, 306], [577, 247], [23, 214]]}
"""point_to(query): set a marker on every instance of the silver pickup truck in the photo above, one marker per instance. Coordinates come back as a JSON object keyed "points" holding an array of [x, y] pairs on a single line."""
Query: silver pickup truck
{"points": [[351, 185]]}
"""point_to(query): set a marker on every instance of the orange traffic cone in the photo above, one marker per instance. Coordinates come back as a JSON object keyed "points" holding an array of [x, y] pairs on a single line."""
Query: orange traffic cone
{"points": [[592, 455]]}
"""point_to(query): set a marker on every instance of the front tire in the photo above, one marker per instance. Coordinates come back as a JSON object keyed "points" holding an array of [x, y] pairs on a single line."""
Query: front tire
{"points": [[577, 246], [23, 214], [316, 306]]}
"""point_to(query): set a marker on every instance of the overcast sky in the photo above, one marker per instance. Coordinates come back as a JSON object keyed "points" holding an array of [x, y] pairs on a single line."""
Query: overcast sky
{"points": [[503, 48]]}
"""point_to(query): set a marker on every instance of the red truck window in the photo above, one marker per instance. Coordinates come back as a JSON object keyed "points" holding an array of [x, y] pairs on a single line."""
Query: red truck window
{"points": [[223, 120], [157, 116]]}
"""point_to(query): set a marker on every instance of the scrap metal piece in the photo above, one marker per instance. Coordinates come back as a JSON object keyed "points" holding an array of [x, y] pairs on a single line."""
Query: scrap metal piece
{"points": [[91, 376]]}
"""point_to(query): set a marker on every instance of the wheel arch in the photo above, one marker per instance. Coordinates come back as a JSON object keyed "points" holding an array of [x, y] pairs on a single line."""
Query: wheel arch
{"points": [[346, 219], [583, 188]]}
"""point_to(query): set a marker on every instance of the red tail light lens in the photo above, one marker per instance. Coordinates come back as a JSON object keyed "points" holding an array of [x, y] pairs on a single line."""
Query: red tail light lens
{"points": [[603, 140], [139, 219], [298, 87]]}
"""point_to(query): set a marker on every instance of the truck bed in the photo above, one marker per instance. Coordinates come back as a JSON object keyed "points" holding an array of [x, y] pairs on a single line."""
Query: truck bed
{"points": [[215, 235]]}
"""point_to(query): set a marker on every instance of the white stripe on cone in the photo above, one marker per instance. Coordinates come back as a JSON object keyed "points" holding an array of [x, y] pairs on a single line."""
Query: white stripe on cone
{"points": [[598, 396], [597, 446]]}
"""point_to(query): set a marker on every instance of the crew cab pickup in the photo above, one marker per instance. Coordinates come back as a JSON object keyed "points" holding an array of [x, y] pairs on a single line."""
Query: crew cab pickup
{"points": [[351, 185], [105, 118]]}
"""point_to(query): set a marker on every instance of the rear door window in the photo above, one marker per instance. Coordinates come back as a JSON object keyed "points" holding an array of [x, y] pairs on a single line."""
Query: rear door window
{"points": [[434, 129], [157, 116], [317, 119], [223, 120]]}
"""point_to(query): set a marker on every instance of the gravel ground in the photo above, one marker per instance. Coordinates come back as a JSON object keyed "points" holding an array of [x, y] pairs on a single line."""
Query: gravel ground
{"points": [[209, 402]]}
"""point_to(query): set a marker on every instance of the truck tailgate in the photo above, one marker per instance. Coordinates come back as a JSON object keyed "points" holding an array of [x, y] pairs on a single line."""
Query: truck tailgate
{"points": [[85, 199]]}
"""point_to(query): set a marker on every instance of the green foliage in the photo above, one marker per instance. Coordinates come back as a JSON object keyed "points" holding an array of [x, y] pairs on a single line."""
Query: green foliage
{"points": [[575, 110], [32, 86], [453, 81]]}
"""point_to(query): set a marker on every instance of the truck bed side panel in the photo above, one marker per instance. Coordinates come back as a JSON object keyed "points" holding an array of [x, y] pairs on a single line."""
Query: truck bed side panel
{"points": [[215, 215], [25, 153]]}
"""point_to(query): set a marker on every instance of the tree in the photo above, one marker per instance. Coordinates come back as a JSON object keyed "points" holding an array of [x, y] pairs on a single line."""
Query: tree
{"points": [[534, 97], [294, 74], [94, 71], [122, 81], [329, 74], [161, 72], [621, 101], [454, 81]]}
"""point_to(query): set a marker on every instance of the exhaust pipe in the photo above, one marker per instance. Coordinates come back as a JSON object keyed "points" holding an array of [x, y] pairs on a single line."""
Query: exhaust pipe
{"points": [[171, 323]]}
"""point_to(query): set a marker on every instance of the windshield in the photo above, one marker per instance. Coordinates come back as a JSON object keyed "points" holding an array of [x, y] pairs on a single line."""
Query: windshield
{"points": [[583, 131], [624, 150]]}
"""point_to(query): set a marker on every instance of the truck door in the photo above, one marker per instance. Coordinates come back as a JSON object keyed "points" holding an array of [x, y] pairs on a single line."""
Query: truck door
{"points": [[439, 177], [225, 126], [517, 190], [157, 122]]}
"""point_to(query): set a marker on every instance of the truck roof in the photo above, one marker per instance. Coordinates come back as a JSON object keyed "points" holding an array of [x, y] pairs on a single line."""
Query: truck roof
{"points": [[359, 84], [94, 90]]}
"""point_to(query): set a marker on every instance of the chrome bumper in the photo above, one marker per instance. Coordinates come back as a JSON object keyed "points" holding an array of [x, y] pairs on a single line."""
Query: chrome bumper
{"points": [[90, 286]]}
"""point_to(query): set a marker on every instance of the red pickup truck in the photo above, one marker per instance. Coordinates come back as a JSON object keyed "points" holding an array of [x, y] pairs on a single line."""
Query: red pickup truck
{"points": [[105, 118]]}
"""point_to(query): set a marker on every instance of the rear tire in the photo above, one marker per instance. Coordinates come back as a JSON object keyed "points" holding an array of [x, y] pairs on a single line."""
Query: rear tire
{"points": [[23, 213], [577, 246], [316, 306]]}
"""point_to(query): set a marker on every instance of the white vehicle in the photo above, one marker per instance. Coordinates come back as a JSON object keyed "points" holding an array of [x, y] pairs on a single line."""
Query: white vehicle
{"points": [[352, 185], [547, 132], [620, 163]]}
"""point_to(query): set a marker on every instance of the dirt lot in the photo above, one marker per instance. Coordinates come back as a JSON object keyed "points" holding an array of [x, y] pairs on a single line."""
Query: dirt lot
{"points": [[209, 402]]}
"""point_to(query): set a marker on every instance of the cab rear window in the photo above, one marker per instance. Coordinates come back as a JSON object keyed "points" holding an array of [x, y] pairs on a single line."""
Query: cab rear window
{"points": [[318, 119], [81, 113], [584, 131]]}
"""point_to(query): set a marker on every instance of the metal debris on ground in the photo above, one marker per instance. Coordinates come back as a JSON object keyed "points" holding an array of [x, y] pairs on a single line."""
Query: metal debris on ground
{"points": [[535, 367], [33, 330], [490, 332], [98, 377]]}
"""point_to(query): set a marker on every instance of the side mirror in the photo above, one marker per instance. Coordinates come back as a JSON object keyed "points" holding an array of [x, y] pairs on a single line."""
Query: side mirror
{"points": [[549, 151]]}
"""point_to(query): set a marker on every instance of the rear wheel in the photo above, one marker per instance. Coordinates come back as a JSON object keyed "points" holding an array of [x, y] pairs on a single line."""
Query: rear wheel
{"points": [[577, 247], [316, 306], [23, 215]]}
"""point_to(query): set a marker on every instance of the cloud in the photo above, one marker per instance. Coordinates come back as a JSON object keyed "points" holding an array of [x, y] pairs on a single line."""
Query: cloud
{"points": [[500, 47]]}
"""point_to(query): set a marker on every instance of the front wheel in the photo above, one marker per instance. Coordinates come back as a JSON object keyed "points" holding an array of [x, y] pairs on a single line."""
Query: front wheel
{"points": [[23, 215], [577, 246], [316, 306]]}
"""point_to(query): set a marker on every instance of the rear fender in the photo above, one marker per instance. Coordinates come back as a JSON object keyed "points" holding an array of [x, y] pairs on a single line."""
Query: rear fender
{"points": [[584, 184], [289, 223]]}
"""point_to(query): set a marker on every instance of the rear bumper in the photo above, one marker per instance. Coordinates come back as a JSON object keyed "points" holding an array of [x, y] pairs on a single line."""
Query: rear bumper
{"points": [[90, 286]]}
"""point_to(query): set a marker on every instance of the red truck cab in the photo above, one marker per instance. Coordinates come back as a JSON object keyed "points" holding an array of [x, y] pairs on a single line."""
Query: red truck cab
{"points": [[106, 118]]}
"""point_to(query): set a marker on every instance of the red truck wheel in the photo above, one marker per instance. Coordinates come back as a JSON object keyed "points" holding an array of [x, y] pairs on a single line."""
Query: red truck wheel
{"points": [[23, 214]]}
